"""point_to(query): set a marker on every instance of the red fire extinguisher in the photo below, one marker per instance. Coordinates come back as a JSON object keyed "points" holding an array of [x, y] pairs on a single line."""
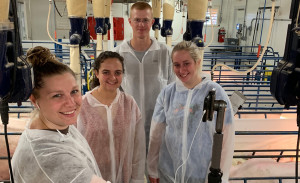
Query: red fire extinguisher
{"points": [[221, 35]]}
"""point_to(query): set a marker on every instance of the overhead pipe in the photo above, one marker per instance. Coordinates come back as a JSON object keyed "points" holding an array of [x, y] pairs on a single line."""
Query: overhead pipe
{"points": [[107, 9], [275, 19], [196, 17], [156, 5], [221, 13], [168, 15], [262, 28], [76, 13], [4, 8], [244, 36], [98, 9]]}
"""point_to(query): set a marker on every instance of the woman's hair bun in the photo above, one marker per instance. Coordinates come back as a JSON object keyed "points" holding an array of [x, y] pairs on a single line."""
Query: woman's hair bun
{"points": [[39, 55]]}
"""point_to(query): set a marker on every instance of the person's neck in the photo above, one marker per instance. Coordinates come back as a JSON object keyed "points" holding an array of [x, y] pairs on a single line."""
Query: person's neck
{"points": [[41, 123], [104, 96], [194, 83], [37, 123], [141, 44]]}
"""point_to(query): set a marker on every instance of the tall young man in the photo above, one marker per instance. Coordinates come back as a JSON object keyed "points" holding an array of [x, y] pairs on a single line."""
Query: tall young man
{"points": [[147, 62]]}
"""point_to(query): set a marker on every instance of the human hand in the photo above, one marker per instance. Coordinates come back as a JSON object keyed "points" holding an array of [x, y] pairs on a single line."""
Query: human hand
{"points": [[154, 180]]}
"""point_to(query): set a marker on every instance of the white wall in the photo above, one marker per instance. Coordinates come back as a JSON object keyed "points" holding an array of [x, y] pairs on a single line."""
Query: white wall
{"points": [[279, 30], [36, 18], [122, 10], [233, 13]]}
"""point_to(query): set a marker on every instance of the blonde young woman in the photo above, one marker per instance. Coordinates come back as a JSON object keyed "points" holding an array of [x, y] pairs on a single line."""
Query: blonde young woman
{"points": [[180, 145]]}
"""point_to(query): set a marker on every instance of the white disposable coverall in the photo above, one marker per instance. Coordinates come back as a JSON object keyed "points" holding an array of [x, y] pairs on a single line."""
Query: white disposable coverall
{"points": [[145, 79], [116, 136], [48, 156], [177, 114]]}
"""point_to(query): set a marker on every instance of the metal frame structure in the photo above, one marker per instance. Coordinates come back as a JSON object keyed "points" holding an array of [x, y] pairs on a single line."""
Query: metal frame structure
{"points": [[254, 86]]}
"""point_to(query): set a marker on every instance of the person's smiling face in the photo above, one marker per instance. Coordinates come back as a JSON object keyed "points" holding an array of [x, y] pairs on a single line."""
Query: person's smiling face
{"points": [[110, 74], [59, 100], [185, 68], [141, 22]]}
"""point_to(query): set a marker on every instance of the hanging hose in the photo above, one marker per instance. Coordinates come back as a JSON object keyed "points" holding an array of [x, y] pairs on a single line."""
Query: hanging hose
{"points": [[204, 39], [244, 25], [262, 27], [205, 30], [67, 45], [181, 29], [255, 28], [90, 76], [296, 24], [263, 52]]}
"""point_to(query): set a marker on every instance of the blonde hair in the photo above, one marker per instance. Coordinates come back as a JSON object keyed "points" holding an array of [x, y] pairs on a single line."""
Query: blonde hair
{"points": [[195, 52]]}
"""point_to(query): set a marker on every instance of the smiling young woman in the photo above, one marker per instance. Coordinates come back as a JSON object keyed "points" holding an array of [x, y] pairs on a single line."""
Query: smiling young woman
{"points": [[180, 145], [58, 102], [111, 122], [50, 143]]}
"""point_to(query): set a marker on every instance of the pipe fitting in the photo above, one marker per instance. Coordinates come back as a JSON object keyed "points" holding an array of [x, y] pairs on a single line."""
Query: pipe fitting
{"points": [[107, 25], [156, 24], [166, 29], [99, 28], [196, 27], [76, 30]]}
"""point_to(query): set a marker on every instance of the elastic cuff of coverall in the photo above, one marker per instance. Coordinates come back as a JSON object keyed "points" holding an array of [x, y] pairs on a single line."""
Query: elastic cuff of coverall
{"points": [[153, 180]]}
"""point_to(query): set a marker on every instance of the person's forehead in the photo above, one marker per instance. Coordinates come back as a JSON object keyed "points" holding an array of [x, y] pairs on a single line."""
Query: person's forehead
{"points": [[141, 13], [181, 55], [111, 63], [59, 82]]}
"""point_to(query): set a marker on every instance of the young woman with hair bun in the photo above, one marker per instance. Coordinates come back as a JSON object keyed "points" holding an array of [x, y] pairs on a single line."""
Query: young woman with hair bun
{"points": [[50, 148]]}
